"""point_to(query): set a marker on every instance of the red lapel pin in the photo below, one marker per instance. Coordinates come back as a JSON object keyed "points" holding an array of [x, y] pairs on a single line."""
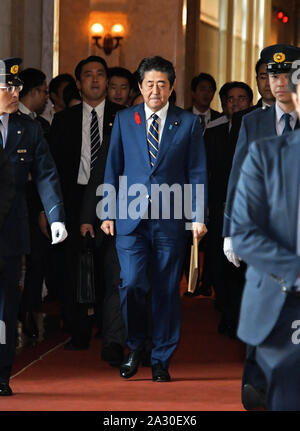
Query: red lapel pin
{"points": [[137, 118]]}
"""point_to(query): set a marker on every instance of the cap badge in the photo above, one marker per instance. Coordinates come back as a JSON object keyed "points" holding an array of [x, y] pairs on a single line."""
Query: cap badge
{"points": [[14, 69], [279, 57]]}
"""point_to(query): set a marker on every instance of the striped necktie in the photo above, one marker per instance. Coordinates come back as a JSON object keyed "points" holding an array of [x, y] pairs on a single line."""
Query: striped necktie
{"points": [[287, 124], [152, 139], [95, 139]]}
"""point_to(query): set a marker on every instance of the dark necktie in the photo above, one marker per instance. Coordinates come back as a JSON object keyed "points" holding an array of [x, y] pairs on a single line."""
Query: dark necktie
{"points": [[202, 120], [287, 124], [152, 139], [1, 137], [95, 139]]}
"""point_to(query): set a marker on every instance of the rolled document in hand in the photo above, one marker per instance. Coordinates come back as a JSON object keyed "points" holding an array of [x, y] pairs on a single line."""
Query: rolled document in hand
{"points": [[194, 266]]}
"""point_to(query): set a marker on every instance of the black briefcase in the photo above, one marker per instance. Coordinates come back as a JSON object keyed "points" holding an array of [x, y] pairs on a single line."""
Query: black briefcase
{"points": [[85, 279]]}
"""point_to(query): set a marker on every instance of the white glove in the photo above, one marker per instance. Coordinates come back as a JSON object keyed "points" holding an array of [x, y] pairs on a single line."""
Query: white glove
{"points": [[58, 231], [2, 332], [229, 253]]}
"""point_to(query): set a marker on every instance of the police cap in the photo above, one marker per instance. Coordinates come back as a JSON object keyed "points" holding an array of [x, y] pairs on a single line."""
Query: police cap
{"points": [[9, 70], [279, 58]]}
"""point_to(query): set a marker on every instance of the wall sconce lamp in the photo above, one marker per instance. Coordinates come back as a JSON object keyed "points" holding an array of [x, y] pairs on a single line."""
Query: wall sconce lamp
{"points": [[110, 42]]}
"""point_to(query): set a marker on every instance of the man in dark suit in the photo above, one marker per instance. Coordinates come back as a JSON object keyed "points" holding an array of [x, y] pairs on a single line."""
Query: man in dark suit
{"points": [[227, 282], [27, 150], [112, 325], [203, 89], [33, 99], [280, 118], [153, 144], [265, 231], [56, 89], [75, 140]]}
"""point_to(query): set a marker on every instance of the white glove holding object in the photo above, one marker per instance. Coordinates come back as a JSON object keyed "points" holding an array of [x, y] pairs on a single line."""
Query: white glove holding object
{"points": [[58, 231], [229, 253]]}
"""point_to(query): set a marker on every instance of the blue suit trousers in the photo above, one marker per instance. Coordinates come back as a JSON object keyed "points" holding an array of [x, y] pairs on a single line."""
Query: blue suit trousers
{"points": [[151, 260]]}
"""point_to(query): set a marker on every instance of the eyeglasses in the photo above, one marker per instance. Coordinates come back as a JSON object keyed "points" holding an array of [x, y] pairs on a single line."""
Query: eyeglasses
{"points": [[12, 88], [231, 99]]}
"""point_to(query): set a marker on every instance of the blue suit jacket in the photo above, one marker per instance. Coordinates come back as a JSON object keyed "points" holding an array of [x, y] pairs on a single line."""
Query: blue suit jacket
{"points": [[264, 231], [181, 160], [28, 151], [256, 125]]}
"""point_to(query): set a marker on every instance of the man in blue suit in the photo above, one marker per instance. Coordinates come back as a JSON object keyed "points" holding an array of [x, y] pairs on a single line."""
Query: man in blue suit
{"points": [[24, 144], [265, 232], [261, 123], [153, 144]]}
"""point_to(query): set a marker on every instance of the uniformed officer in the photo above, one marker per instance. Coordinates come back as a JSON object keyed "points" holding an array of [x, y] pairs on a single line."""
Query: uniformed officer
{"points": [[266, 234], [279, 119], [24, 144]]}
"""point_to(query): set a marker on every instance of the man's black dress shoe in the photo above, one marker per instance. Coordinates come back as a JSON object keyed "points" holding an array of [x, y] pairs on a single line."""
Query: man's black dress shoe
{"points": [[159, 373], [253, 398], [5, 390], [200, 290], [130, 366], [75, 346], [113, 354], [29, 326]]}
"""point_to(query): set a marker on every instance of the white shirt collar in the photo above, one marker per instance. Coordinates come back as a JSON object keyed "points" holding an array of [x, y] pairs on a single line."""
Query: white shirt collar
{"points": [[265, 105], [280, 113], [4, 120], [162, 113], [23, 108], [206, 113], [99, 108]]}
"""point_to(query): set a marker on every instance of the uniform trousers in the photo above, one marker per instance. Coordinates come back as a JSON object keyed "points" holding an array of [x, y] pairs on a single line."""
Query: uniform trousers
{"points": [[9, 307], [279, 357]]}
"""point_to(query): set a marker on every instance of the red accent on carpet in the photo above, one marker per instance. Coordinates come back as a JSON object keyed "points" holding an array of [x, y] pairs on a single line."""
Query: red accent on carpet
{"points": [[206, 374]]}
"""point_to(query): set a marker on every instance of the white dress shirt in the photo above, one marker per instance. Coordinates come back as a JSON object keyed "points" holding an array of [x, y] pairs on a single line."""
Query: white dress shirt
{"points": [[280, 123], [4, 127], [85, 161], [221, 120], [162, 114], [265, 105]]}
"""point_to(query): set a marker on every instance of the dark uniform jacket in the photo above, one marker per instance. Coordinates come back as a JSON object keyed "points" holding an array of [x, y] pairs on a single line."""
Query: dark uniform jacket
{"points": [[28, 152], [7, 186]]}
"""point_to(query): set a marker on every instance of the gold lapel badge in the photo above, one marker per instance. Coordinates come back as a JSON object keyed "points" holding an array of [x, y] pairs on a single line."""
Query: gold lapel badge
{"points": [[279, 57], [22, 151]]}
